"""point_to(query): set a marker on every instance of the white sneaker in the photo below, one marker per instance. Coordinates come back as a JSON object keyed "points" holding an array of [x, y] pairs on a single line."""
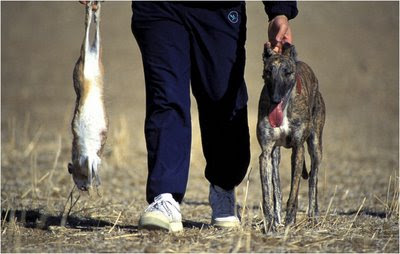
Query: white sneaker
{"points": [[223, 207], [163, 213]]}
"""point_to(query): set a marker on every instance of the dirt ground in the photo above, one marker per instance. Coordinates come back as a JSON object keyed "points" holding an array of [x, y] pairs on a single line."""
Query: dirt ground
{"points": [[353, 48]]}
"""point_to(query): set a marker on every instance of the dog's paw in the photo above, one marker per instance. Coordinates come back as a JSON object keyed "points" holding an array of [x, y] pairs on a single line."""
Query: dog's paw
{"points": [[313, 216], [290, 220]]}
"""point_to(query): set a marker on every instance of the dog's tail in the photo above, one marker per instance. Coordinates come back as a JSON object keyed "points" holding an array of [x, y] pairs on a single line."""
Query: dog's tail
{"points": [[304, 174]]}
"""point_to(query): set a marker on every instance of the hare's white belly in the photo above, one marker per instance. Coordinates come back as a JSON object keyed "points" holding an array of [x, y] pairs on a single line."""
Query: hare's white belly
{"points": [[91, 68], [91, 122]]}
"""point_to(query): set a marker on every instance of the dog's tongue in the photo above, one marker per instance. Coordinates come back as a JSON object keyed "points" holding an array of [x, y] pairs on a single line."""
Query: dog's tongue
{"points": [[275, 117]]}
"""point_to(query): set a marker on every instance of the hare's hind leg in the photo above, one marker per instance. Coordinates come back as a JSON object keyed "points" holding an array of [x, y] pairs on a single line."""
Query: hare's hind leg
{"points": [[88, 22], [96, 42]]}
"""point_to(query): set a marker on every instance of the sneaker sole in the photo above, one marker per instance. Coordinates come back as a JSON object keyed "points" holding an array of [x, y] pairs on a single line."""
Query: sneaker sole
{"points": [[225, 224], [156, 221]]}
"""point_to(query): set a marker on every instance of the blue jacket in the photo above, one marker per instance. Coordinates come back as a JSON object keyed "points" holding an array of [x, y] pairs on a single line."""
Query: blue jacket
{"points": [[275, 8]]}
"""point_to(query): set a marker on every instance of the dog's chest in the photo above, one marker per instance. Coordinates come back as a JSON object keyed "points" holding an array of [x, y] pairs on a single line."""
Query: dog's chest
{"points": [[282, 133]]}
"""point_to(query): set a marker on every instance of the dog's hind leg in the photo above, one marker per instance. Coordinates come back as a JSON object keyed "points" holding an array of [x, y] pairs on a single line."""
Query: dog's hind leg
{"points": [[276, 158], [315, 154], [314, 143], [267, 187], [297, 168]]}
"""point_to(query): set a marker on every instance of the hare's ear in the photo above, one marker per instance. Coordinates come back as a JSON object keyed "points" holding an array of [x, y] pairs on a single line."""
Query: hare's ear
{"points": [[268, 52], [289, 51]]}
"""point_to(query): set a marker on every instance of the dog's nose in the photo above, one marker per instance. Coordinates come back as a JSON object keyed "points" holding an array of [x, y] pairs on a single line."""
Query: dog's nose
{"points": [[276, 99]]}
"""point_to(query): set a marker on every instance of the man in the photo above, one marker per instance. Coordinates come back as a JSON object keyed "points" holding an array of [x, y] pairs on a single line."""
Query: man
{"points": [[198, 45]]}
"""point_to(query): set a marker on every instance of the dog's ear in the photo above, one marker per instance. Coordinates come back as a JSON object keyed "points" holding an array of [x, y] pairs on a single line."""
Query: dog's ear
{"points": [[290, 51], [268, 52]]}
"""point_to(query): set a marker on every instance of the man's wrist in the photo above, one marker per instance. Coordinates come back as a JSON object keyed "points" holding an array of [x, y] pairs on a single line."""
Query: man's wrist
{"points": [[279, 17], [275, 8]]}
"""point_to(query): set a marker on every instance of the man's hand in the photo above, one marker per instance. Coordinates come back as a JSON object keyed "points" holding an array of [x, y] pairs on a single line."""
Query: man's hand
{"points": [[279, 32]]}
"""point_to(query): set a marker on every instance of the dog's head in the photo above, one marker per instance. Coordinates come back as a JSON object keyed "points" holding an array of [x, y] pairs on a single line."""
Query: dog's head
{"points": [[279, 71], [279, 79]]}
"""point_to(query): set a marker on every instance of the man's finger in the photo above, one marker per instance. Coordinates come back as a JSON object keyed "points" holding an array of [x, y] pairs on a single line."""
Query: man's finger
{"points": [[288, 37], [281, 33], [277, 46], [277, 50]]}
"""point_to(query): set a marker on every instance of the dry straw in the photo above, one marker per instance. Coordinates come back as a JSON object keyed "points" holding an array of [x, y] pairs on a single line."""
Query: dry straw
{"points": [[355, 217], [64, 216], [30, 147], [115, 223], [329, 206]]}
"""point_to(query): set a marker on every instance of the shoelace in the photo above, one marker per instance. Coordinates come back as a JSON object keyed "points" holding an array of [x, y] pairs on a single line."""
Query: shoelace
{"points": [[162, 205]]}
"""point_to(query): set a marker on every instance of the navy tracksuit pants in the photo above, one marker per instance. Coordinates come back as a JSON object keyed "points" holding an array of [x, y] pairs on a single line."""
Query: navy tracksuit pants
{"points": [[197, 45]]}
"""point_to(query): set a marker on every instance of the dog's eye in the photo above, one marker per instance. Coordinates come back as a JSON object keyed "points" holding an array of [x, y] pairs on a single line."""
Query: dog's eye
{"points": [[268, 71], [287, 72]]}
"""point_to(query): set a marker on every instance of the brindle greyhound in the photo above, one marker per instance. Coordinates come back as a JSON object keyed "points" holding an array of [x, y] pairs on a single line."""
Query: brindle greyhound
{"points": [[89, 124], [291, 111]]}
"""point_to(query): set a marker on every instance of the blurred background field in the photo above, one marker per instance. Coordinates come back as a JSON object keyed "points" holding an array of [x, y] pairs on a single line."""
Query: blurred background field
{"points": [[353, 47]]}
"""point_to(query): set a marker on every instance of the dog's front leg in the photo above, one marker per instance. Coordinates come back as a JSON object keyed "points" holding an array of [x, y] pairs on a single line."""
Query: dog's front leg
{"points": [[276, 158], [267, 187], [297, 168]]}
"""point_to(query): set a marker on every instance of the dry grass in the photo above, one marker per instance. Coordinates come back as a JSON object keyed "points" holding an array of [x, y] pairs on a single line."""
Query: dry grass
{"points": [[41, 213], [359, 179]]}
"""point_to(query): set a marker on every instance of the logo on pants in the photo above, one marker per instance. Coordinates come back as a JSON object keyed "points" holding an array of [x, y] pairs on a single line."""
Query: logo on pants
{"points": [[233, 16]]}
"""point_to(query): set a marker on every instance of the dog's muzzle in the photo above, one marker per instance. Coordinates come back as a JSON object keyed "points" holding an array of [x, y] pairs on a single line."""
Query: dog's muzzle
{"points": [[275, 115]]}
